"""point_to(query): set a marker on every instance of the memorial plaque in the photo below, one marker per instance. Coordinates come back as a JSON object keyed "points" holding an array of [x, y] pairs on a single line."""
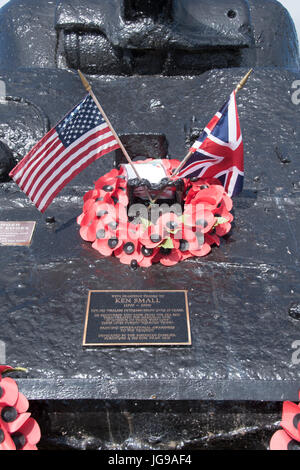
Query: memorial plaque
{"points": [[16, 233], [137, 318]]}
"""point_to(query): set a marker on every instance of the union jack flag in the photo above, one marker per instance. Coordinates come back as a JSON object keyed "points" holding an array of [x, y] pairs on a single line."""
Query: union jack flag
{"points": [[219, 151]]}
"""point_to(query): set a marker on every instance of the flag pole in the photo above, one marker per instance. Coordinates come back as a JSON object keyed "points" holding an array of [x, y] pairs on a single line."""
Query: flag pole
{"points": [[88, 88], [243, 82], [239, 87]]}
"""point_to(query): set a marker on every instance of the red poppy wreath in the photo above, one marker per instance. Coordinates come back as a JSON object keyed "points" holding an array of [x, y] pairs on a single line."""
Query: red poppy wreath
{"points": [[118, 227]]}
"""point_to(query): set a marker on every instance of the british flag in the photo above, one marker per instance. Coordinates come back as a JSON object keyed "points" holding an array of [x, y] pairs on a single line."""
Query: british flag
{"points": [[219, 151]]}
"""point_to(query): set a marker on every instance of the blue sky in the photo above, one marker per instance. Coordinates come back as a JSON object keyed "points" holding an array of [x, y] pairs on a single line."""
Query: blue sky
{"points": [[292, 5]]}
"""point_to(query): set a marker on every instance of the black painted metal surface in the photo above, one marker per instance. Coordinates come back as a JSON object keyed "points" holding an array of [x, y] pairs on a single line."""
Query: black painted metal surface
{"points": [[154, 425], [146, 37], [244, 297], [239, 295]]}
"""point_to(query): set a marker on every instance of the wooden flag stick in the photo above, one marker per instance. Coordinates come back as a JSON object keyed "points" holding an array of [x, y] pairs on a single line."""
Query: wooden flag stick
{"points": [[182, 163], [88, 88], [238, 88]]}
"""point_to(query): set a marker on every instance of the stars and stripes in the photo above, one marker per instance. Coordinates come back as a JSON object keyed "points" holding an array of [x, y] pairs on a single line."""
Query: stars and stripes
{"points": [[219, 153], [79, 139]]}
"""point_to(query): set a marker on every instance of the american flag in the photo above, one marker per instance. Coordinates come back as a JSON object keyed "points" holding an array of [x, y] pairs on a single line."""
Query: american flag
{"points": [[219, 151], [79, 139]]}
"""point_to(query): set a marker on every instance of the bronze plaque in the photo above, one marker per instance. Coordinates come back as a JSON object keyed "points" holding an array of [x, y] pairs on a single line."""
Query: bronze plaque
{"points": [[137, 318], [16, 233]]}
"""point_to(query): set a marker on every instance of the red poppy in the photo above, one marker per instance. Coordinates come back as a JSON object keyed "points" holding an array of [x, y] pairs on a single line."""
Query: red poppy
{"points": [[222, 224], [198, 247], [169, 224], [106, 242], [107, 214], [227, 201], [188, 239], [196, 215], [222, 211], [111, 181], [289, 437], [110, 212], [168, 252], [8, 391], [129, 231], [18, 431], [120, 196], [130, 250], [169, 257], [211, 239], [152, 236], [121, 212], [203, 250], [190, 195], [6, 442], [163, 238], [282, 441], [105, 211], [90, 206], [27, 435], [171, 165], [291, 419], [92, 194], [149, 255], [85, 219], [79, 218], [186, 255], [88, 232], [108, 178], [209, 194], [13, 417], [206, 191], [223, 217], [91, 212], [223, 229]]}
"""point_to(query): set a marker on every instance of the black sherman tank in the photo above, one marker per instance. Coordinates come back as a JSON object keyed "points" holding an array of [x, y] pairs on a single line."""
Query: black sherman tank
{"points": [[160, 69]]}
